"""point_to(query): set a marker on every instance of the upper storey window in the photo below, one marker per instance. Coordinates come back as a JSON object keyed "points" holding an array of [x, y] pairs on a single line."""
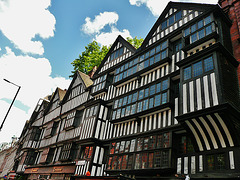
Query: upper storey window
{"points": [[199, 30], [76, 91], [171, 20], [99, 83], [116, 54], [198, 68], [143, 61]]}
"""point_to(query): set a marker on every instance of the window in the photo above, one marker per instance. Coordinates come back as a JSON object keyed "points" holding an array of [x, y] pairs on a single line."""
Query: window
{"points": [[146, 92], [145, 104], [127, 146], [133, 109], [208, 64], [141, 93], [144, 160], [119, 162], [123, 112], [157, 100], [187, 73], [128, 110], [150, 160], [164, 85], [178, 15], [130, 162], [164, 25], [171, 20], [109, 163], [157, 162], [145, 142], [165, 158], [152, 90], [210, 162], [164, 98], [197, 69], [50, 155], [117, 147], [122, 146], [216, 162], [137, 161], [139, 108], [124, 162], [112, 148], [151, 103], [139, 144], [68, 152]]}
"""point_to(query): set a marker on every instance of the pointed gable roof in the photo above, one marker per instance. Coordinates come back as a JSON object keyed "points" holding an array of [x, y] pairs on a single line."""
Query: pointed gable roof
{"points": [[58, 95], [119, 51], [78, 78], [183, 12]]}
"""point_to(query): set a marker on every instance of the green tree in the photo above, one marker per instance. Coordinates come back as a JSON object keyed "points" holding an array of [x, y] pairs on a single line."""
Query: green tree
{"points": [[94, 54], [135, 41]]}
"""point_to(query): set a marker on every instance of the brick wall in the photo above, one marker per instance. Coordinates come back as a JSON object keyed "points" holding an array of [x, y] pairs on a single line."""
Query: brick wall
{"points": [[232, 8]]}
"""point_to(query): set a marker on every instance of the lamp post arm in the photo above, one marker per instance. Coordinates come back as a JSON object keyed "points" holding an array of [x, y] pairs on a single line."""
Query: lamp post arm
{"points": [[10, 107]]}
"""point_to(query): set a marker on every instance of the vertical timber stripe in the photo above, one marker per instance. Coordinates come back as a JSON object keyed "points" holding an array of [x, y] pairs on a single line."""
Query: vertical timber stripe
{"points": [[202, 133], [195, 135], [229, 137], [209, 132], [217, 131]]}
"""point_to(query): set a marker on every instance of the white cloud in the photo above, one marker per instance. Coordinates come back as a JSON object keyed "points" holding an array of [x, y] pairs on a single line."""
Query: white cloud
{"points": [[33, 75], [107, 38], [95, 28], [100, 21], [22, 20], [156, 7]]}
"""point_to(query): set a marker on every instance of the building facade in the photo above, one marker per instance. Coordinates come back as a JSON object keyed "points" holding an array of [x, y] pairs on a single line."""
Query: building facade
{"points": [[169, 109]]}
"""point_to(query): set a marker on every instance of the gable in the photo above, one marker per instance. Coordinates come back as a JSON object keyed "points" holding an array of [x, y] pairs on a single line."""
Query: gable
{"points": [[173, 17], [120, 50], [78, 85]]}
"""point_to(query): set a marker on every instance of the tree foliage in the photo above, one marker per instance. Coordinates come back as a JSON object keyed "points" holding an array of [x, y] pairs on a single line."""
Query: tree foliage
{"points": [[135, 41], [94, 54]]}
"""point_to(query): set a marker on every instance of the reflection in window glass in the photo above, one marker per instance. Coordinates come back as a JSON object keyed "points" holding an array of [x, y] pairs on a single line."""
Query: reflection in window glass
{"points": [[187, 31], [124, 101], [171, 20], [150, 160], [118, 113], [120, 102], [197, 69], [141, 66], [164, 54], [137, 161], [164, 98], [145, 142], [124, 161], [201, 34], [187, 73], [178, 16], [207, 20], [132, 147], [208, 64], [122, 146], [165, 159], [193, 37], [134, 98], [109, 163], [193, 28], [208, 30], [157, 100], [139, 144], [146, 92], [144, 160], [164, 25], [133, 109], [114, 115], [139, 108], [200, 24], [164, 85], [141, 93], [210, 162], [158, 89], [127, 146], [146, 63], [164, 45], [151, 102], [157, 162], [123, 112], [157, 58], [119, 162], [129, 99], [151, 60], [145, 104], [152, 90], [128, 110], [130, 162]]}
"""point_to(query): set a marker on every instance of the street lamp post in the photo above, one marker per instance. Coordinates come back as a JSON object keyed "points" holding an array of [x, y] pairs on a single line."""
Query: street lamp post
{"points": [[11, 103]]}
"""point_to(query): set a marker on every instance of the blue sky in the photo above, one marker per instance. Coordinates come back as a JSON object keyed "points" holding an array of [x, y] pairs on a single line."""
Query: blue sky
{"points": [[40, 38]]}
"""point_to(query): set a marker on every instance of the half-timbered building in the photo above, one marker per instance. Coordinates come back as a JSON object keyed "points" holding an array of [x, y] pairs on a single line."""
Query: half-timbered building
{"points": [[169, 109]]}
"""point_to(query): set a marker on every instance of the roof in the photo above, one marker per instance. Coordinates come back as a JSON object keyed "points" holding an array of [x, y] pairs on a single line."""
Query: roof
{"points": [[86, 79]]}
